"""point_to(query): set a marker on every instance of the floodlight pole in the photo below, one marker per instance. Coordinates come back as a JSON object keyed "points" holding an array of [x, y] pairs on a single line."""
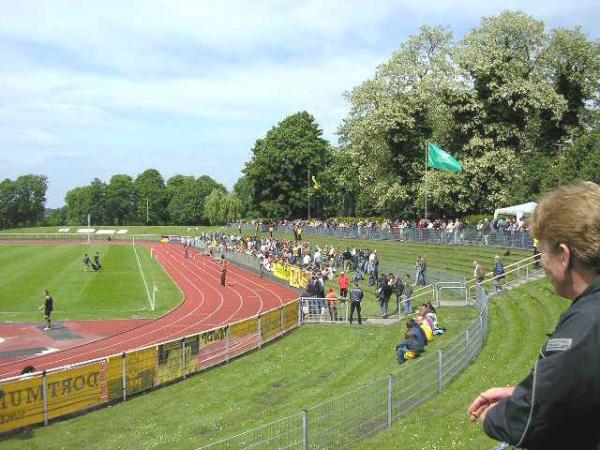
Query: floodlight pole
{"points": [[88, 226], [147, 209]]}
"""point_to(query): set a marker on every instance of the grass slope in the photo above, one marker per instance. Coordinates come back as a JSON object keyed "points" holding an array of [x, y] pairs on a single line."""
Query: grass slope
{"points": [[117, 291], [309, 366], [519, 321]]}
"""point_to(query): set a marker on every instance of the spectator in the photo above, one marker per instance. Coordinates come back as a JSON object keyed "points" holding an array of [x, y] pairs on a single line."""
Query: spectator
{"points": [[406, 349], [498, 273], [356, 296], [343, 284], [332, 304], [556, 406]]}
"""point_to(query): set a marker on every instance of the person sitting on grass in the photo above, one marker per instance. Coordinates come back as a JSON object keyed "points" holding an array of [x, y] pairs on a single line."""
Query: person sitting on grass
{"points": [[423, 323], [418, 334], [407, 349], [431, 316]]}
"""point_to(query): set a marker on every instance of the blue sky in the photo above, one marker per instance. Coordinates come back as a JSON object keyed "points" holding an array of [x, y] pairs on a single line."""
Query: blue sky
{"points": [[92, 89]]}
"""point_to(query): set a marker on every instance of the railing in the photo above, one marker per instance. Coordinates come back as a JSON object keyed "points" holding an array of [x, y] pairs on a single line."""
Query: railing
{"points": [[343, 421], [77, 237], [469, 235], [40, 397]]}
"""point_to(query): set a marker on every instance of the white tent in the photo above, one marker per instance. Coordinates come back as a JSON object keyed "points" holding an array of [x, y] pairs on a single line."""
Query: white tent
{"points": [[517, 210]]}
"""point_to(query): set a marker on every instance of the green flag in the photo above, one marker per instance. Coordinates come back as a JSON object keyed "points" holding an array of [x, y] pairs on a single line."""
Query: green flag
{"points": [[439, 159]]}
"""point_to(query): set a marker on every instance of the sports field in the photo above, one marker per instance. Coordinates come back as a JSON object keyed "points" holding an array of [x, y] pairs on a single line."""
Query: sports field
{"points": [[120, 290]]}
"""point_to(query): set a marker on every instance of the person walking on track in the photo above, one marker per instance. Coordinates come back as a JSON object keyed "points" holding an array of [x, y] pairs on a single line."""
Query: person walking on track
{"points": [[48, 306], [224, 265]]}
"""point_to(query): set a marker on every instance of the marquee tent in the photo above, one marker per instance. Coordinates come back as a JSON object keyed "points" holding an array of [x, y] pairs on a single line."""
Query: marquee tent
{"points": [[518, 210]]}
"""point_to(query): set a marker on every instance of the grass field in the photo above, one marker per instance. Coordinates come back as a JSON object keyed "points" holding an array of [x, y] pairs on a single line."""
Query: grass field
{"points": [[519, 322], [310, 365], [180, 230], [117, 291]]}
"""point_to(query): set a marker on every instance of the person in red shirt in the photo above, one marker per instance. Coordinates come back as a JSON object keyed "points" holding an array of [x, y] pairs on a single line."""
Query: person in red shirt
{"points": [[343, 283]]}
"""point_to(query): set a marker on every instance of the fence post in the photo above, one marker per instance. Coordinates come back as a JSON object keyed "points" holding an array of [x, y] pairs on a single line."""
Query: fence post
{"points": [[300, 305], [259, 323], [183, 358], [227, 344], [304, 429], [440, 370], [45, 396], [281, 321], [389, 401], [124, 375]]}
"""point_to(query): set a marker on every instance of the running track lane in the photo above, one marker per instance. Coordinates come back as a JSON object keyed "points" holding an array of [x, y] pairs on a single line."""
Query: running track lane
{"points": [[206, 305]]}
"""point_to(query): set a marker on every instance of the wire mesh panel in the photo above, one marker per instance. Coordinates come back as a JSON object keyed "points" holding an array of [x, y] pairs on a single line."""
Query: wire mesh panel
{"points": [[417, 383], [316, 309], [286, 433], [170, 357], [338, 423]]}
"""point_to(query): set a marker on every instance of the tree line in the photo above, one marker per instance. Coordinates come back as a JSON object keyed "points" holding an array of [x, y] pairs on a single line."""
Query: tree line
{"points": [[148, 200]]}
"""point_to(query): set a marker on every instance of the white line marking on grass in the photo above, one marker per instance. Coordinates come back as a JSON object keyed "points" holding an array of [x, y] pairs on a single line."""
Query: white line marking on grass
{"points": [[143, 277]]}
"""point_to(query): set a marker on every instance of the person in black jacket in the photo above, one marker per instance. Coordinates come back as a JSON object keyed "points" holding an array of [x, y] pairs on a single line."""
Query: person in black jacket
{"points": [[557, 405]]}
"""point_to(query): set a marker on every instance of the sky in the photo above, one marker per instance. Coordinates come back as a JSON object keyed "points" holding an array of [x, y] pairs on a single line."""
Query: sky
{"points": [[94, 89]]}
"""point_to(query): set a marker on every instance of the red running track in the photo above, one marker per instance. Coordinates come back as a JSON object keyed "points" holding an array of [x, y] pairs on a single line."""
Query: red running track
{"points": [[206, 305]]}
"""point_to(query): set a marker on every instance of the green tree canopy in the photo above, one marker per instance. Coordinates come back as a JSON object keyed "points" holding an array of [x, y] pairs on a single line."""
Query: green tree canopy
{"points": [[278, 171]]}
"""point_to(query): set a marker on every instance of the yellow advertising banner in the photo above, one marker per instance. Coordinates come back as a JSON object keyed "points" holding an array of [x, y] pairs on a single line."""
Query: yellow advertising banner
{"points": [[243, 329], [169, 362], [295, 275], [141, 369], [270, 325], [115, 378], [290, 316], [304, 279], [76, 388], [21, 404]]}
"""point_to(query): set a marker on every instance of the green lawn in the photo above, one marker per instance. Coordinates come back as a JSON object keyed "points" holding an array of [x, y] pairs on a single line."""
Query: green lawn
{"points": [[182, 230], [519, 322], [117, 291], [310, 365]]}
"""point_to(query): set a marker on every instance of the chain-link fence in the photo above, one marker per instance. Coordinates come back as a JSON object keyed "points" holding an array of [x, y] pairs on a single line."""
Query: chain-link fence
{"points": [[468, 236], [343, 421]]}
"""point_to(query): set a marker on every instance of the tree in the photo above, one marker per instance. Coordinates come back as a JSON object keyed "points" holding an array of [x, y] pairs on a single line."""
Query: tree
{"points": [[120, 200], [78, 204], [7, 204], [29, 199], [57, 217], [279, 168], [150, 193], [214, 207], [97, 207], [187, 196], [391, 116]]}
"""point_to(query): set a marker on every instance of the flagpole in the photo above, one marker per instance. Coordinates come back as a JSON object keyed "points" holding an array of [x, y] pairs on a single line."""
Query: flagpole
{"points": [[426, 161]]}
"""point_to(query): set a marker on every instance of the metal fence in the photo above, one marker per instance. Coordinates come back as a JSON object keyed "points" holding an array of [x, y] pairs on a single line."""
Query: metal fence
{"points": [[343, 421], [40, 397], [469, 235]]}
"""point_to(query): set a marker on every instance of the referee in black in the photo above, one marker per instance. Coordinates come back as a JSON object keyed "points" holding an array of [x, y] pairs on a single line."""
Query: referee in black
{"points": [[48, 306], [557, 406]]}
